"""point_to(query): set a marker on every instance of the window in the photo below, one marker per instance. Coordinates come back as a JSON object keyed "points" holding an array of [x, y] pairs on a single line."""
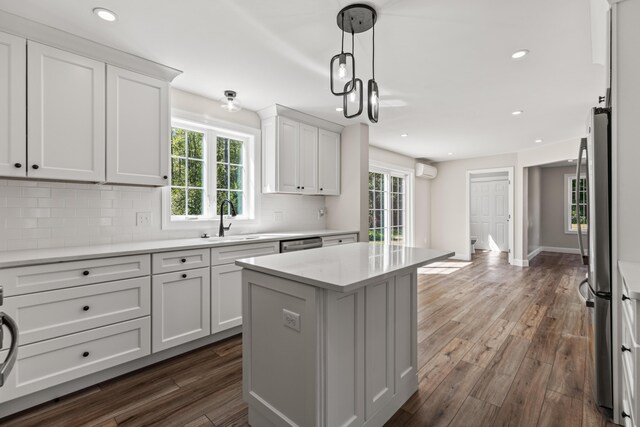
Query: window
{"points": [[388, 213], [575, 204], [208, 166]]}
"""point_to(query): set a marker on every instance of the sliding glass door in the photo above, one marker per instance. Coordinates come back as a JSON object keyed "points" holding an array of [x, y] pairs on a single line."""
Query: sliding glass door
{"points": [[387, 208]]}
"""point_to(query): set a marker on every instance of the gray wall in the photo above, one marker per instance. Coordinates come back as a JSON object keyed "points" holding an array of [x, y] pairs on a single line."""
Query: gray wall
{"points": [[552, 229], [533, 208]]}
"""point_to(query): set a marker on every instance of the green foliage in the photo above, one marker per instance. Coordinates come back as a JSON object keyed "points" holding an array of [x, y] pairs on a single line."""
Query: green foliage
{"points": [[235, 152], [195, 199], [222, 150], [222, 177], [235, 177], [178, 168], [178, 142], [195, 145], [196, 173], [178, 203]]}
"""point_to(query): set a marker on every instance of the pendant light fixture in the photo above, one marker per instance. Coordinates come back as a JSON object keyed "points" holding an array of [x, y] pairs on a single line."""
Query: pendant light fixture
{"points": [[356, 18], [229, 102]]}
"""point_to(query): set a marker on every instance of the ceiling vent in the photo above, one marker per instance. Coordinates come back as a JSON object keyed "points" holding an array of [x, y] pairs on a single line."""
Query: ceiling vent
{"points": [[426, 171]]}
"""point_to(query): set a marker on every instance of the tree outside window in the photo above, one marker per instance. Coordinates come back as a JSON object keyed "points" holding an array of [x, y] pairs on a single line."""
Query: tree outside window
{"points": [[187, 173]]}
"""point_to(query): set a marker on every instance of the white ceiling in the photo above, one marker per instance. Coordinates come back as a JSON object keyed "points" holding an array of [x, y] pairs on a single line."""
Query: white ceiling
{"points": [[449, 61]]}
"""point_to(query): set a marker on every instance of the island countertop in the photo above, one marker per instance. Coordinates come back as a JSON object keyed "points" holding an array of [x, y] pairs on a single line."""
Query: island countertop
{"points": [[344, 268]]}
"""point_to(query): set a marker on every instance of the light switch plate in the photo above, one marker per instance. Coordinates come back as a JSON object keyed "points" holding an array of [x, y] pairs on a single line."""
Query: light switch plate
{"points": [[291, 319], [143, 219]]}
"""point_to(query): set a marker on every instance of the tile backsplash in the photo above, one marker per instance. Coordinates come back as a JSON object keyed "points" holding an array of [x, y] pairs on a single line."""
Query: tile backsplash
{"points": [[53, 214]]}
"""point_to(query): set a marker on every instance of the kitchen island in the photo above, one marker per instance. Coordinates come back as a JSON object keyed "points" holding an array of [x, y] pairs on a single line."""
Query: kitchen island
{"points": [[330, 334]]}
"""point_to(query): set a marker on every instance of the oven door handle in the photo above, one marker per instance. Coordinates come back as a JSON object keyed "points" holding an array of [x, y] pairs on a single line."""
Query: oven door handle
{"points": [[293, 248], [7, 365]]}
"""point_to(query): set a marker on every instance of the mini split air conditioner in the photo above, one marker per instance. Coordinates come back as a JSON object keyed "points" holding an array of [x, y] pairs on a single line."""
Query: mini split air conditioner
{"points": [[425, 171]]}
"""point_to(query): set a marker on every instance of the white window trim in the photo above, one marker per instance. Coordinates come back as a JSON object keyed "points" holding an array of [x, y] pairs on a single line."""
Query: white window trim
{"points": [[409, 175], [214, 128], [567, 196]]}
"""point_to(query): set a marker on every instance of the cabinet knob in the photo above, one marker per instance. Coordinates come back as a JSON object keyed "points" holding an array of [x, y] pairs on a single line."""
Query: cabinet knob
{"points": [[303, 188], [85, 308], [85, 354], [85, 273], [624, 297], [298, 187], [165, 177], [184, 276], [625, 415], [624, 348], [321, 189], [18, 165], [35, 166], [183, 260], [340, 241]]}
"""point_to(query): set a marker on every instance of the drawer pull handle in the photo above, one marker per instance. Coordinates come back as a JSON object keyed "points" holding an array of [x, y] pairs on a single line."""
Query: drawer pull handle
{"points": [[18, 165], [183, 260], [623, 348], [624, 297], [625, 415], [184, 276], [85, 354], [85, 273], [85, 308], [340, 241]]}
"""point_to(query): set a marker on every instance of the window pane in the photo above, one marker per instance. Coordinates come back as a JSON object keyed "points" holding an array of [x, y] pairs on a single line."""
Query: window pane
{"points": [[235, 177], [400, 185], [221, 150], [177, 142], [178, 206], [400, 204], [371, 180], [196, 173], [177, 172], [195, 205], [235, 152], [195, 148], [223, 171], [236, 199], [222, 196]]}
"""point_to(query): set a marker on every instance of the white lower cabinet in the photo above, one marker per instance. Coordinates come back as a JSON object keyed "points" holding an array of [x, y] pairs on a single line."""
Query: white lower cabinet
{"points": [[226, 297], [49, 363], [181, 309], [341, 239]]}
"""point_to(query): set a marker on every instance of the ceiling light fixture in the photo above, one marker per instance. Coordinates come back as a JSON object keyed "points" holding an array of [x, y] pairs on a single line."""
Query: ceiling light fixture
{"points": [[517, 113], [404, 135], [354, 19], [520, 53], [229, 102], [105, 14], [449, 154]]}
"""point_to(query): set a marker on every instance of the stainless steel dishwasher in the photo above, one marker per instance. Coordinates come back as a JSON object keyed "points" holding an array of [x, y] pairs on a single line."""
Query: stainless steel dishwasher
{"points": [[300, 244]]}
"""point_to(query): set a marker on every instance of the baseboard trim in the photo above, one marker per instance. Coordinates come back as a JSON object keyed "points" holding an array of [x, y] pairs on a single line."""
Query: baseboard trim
{"points": [[521, 262], [534, 253], [559, 250], [461, 256]]}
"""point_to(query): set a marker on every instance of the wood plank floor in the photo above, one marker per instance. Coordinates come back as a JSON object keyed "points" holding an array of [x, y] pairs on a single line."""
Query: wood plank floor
{"points": [[498, 345]]}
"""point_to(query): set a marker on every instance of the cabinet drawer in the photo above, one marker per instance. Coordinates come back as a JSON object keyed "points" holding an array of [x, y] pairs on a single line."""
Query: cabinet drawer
{"points": [[47, 277], [630, 309], [630, 352], [629, 407], [339, 240], [47, 315], [166, 262], [52, 362], [228, 254]]}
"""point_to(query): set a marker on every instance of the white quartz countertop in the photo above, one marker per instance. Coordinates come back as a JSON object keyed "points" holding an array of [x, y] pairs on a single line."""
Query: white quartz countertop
{"points": [[46, 256], [344, 268], [630, 272]]}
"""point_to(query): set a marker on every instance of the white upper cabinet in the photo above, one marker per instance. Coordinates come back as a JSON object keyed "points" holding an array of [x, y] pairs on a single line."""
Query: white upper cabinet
{"points": [[137, 128], [13, 105], [308, 159], [66, 115], [328, 163], [299, 158]]}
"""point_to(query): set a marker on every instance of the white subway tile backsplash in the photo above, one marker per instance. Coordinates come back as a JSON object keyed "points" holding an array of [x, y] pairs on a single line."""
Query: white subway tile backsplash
{"points": [[19, 202], [36, 192]]}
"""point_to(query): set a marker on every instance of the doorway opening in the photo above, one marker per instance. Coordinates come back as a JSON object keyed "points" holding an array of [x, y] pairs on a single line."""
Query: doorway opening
{"points": [[490, 211]]}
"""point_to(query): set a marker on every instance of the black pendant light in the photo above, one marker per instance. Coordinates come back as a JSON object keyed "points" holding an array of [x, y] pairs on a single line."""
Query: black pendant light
{"points": [[356, 18]]}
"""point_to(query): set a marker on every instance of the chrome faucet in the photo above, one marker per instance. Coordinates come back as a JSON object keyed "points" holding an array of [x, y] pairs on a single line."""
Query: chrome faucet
{"points": [[233, 213]]}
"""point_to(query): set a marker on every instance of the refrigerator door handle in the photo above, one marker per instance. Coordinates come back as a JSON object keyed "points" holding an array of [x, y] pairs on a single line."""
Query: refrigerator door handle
{"points": [[7, 365], [583, 148]]}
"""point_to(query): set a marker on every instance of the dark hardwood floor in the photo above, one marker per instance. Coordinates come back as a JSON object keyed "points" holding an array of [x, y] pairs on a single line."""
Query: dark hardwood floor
{"points": [[497, 345]]}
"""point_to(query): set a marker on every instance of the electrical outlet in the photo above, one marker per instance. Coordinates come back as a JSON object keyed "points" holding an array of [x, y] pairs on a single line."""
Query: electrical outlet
{"points": [[322, 212], [291, 319], [143, 219]]}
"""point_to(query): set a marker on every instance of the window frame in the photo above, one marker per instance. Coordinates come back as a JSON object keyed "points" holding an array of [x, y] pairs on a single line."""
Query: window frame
{"points": [[212, 130], [568, 178], [389, 171]]}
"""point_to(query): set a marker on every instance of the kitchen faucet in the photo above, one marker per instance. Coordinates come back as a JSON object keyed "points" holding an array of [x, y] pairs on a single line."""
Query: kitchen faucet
{"points": [[233, 213]]}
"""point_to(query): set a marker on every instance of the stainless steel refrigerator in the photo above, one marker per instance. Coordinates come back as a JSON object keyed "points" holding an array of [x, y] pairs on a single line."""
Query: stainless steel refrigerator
{"points": [[596, 150]]}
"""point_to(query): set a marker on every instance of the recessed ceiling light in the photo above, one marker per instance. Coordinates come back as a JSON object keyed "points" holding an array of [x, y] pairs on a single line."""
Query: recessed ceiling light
{"points": [[105, 14], [449, 154], [338, 109], [404, 135], [517, 112], [538, 141], [519, 53]]}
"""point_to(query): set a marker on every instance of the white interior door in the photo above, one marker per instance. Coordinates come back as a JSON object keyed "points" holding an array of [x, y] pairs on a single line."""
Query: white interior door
{"points": [[490, 214]]}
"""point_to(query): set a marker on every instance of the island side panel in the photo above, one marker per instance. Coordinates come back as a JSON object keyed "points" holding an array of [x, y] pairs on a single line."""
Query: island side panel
{"points": [[344, 390], [281, 365], [406, 331]]}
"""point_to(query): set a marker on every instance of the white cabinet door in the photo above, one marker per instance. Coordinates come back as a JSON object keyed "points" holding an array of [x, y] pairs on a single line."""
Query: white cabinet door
{"points": [[180, 308], [66, 115], [328, 163], [288, 155], [13, 105], [308, 159], [137, 128], [226, 297]]}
